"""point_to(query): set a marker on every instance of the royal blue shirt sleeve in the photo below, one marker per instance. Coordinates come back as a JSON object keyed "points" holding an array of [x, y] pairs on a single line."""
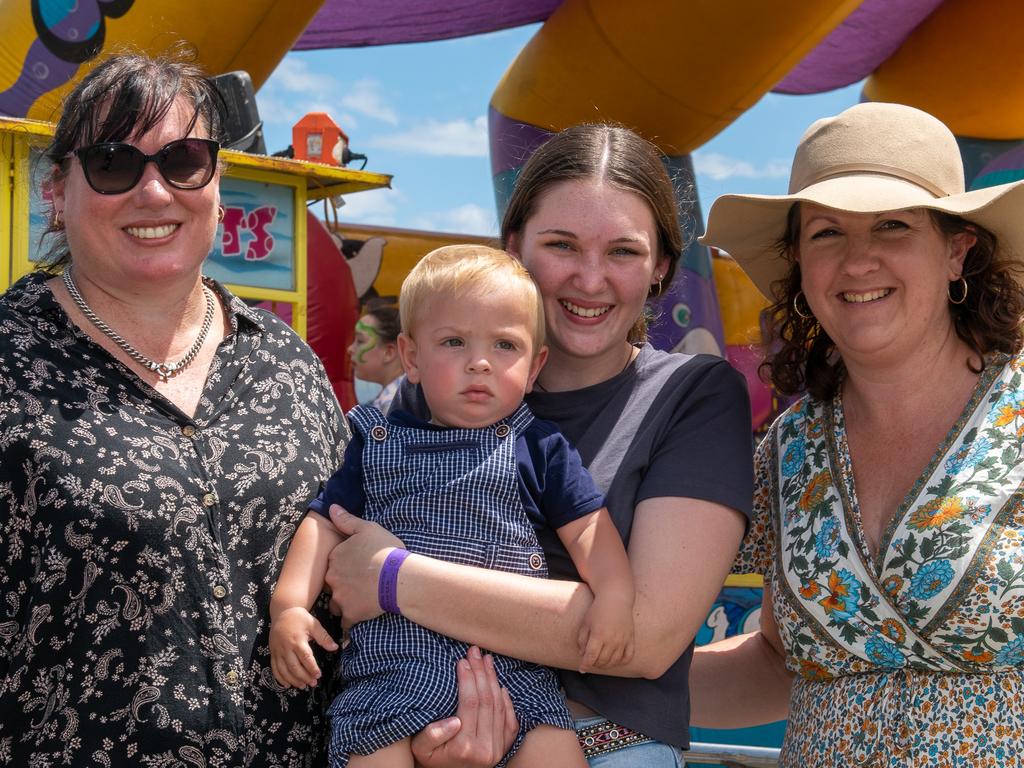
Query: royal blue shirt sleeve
{"points": [[345, 486], [555, 487]]}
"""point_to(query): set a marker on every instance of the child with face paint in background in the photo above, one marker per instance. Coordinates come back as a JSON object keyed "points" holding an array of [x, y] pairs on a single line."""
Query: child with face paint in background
{"points": [[374, 351], [472, 485]]}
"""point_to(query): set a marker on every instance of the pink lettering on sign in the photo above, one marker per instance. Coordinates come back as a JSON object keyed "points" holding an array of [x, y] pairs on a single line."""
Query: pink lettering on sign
{"points": [[231, 240], [257, 223], [263, 242]]}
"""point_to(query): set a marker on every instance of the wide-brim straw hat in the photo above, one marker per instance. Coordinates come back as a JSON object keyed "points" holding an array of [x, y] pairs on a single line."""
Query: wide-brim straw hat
{"points": [[871, 158]]}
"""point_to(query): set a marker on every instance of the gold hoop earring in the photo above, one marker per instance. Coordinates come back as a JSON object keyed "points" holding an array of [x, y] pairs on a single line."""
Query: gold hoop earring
{"points": [[656, 294], [220, 213], [796, 306], [57, 223], [949, 293]]}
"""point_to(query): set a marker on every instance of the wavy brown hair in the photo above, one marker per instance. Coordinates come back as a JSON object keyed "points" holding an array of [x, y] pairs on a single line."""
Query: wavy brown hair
{"points": [[801, 356]]}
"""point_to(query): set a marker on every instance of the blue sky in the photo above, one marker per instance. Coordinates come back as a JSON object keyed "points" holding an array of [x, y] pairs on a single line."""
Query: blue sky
{"points": [[419, 112]]}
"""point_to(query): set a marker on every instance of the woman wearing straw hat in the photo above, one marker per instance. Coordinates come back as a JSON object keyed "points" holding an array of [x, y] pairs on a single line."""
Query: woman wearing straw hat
{"points": [[889, 510]]}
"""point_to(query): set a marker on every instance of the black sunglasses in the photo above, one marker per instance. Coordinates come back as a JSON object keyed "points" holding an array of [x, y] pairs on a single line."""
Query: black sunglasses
{"points": [[112, 168]]}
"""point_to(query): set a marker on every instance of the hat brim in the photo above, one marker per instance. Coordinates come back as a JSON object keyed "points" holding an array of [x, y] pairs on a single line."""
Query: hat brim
{"points": [[749, 227]]}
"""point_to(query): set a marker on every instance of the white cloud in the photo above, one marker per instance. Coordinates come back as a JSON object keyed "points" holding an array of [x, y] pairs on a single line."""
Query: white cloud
{"points": [[377, 206], [456, 138], [294, 76], [293, 90], [364, 97], [278, 111], [472, 219], [467, 219], [719, 167]]}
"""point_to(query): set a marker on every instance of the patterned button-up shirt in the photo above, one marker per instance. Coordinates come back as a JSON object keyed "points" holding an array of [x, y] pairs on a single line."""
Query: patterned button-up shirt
{"points": [[139, 546]]}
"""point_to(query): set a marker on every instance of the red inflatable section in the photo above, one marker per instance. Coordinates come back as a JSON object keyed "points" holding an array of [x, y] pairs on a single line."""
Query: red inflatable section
{"points": [[332, 308]]}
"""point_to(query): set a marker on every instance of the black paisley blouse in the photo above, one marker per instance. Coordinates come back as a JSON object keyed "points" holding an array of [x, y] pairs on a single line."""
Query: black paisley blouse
{"points": [[139, 547]]}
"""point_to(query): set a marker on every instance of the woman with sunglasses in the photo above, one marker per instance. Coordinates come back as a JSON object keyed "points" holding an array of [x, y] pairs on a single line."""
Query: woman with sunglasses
{"points": [[159, 441]]}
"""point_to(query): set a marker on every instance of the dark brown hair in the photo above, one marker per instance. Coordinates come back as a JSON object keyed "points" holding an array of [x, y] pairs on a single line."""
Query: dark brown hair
{"points": [[802, 356], [127, 95], [384, 309], [612, 153]]}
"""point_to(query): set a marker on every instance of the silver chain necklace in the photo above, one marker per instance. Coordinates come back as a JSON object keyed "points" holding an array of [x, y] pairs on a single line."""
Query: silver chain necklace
{"points": [[164, 370]]}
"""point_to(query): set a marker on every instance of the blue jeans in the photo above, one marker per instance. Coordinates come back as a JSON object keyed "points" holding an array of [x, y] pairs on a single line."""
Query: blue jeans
{"points": [[651, 754]]}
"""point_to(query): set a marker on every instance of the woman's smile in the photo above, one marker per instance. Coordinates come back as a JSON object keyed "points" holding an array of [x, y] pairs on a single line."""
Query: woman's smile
{"points": [[152, 232], [593, 250], [579, 310], [865, 297], [876, 282]]}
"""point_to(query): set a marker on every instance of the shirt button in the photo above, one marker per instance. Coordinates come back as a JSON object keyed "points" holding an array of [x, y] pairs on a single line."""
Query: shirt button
{"points": [[188, 430], [209, 499], [231, 677], [536, 561], [219, 591], [502, 430]]}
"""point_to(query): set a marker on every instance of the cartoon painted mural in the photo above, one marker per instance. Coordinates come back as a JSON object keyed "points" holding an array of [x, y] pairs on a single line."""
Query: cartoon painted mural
{"points": [[48, 44]]}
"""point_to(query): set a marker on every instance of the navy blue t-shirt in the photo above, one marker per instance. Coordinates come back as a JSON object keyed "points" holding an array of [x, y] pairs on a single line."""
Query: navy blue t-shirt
{"points": [[553, 484]]}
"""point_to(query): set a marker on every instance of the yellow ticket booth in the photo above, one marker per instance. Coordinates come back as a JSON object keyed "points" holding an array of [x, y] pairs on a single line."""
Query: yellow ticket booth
{"points": [[260, 249]]}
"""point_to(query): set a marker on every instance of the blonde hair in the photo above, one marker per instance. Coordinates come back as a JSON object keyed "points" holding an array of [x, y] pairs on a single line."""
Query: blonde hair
{"points": [[459, 271]]}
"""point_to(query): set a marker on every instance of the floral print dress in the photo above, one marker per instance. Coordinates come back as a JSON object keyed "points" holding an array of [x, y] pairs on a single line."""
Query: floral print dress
{"points": [[913, 657]]}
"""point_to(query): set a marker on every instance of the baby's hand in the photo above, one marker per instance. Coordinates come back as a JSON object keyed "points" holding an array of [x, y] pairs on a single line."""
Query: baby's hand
{"points": [[291, 658], [606, 636]]}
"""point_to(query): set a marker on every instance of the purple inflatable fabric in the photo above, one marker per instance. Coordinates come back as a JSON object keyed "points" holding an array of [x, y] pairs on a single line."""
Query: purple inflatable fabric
{"points": [[512, 142], [855, 49], [354, 23]]}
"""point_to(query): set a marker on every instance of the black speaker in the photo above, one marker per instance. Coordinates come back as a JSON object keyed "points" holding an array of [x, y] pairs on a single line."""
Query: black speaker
{"points": [[241, 117]]}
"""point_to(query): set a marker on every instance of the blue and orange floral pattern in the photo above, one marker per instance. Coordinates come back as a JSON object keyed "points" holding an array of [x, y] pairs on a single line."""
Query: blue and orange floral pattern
{"points": [[913, 656]]}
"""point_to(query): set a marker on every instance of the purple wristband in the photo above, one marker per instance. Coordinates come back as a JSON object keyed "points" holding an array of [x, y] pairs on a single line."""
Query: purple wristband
{"points": [[387, 582]]}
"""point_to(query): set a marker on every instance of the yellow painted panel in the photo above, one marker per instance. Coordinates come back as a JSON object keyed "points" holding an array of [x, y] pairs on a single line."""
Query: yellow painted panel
{"points": [[6, 168], [965, 65], [18, 35], [679, 72], [401, 249], [21, 200], [321, 180], [300, 313]]}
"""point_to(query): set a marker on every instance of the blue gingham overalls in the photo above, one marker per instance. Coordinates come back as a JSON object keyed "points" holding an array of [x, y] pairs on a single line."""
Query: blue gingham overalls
{"points": [[451, 494]]}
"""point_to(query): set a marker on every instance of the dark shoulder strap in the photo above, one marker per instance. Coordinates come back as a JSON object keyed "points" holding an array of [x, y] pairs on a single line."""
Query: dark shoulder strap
{"points": [[364, 417]]}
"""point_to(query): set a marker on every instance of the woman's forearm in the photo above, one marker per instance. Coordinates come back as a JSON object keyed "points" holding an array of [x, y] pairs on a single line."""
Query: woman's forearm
{"points": [[680, 556], [546, 613], [680, 552], [738, 682]]}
